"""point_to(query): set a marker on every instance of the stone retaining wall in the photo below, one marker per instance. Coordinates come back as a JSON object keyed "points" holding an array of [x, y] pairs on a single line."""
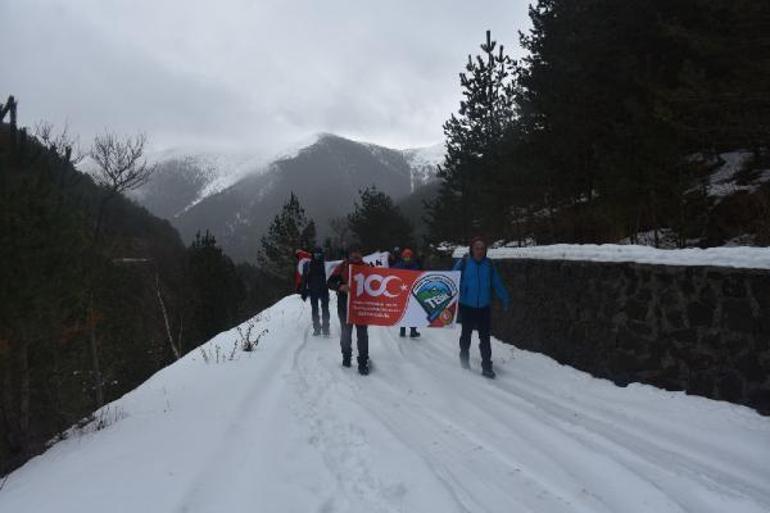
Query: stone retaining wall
{"points": [[705, 330]]}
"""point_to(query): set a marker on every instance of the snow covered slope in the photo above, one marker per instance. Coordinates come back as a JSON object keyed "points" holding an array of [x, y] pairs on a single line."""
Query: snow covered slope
{"points": [[287, 429], [424, 163], [726, 179]]}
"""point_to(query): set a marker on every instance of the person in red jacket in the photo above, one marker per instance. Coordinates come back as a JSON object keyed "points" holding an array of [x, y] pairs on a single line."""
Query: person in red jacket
{"points": [[338, 282]]}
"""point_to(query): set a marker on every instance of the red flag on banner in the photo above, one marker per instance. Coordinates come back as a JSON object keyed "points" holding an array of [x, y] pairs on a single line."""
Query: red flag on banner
{"points": [[302, 258]]}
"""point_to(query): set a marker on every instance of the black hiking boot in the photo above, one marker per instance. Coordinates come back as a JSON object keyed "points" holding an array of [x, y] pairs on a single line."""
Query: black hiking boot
{"points": [[326, 331], [363, 366], [316, 332], [346, 359], [486, 370], [465, 360], [413, 333], [402, 332]]}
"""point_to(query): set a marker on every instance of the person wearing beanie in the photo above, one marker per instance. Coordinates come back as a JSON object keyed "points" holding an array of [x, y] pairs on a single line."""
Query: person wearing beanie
{"points": [[408, 260]]}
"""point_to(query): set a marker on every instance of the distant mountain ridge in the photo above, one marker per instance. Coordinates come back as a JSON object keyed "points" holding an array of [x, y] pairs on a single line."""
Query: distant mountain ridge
{"points": [[236, 196]]}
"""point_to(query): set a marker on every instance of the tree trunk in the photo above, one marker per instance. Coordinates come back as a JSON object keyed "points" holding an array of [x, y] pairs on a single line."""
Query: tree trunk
{"points": [[24, 389], [165, 319], [9, 415], [95, 366]]}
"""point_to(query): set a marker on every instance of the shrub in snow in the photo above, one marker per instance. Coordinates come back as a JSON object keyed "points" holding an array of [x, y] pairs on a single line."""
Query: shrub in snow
{"points": [[96, 421], [249, 338], [212, 354]]}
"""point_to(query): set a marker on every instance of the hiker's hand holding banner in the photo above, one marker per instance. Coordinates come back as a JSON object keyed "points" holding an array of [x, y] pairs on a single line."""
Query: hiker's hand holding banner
{"points": [[388, 297]]}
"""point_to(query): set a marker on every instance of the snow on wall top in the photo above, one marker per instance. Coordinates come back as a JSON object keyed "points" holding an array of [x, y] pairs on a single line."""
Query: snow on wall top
{"points": [[740, 257]]}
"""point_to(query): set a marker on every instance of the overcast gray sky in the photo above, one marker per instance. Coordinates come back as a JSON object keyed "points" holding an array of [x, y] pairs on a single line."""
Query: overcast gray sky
{"points": [[256, 74]]}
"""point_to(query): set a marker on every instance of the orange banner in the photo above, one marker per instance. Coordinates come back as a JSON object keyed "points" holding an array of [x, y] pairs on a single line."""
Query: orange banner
{"points": [[389, 297]]}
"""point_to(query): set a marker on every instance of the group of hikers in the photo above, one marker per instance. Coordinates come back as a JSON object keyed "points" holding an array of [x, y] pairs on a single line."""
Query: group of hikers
{"points": [[479, 279]]}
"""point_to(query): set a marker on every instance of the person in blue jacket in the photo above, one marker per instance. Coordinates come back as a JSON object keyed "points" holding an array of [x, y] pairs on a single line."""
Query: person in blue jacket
{"points": [[479, 277], [407, 260]]}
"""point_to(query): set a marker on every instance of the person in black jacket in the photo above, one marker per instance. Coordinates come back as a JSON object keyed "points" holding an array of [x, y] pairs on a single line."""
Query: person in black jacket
{"points": [[314, 286], [394, 256], [338, 282], [408, 260]]}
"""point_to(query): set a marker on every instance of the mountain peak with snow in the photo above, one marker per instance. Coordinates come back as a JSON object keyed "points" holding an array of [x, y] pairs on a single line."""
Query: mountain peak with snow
{"points": [[235, 194]]}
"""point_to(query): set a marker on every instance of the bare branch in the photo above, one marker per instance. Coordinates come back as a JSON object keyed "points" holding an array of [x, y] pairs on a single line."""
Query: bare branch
{"points": [[121, 163], [63, 143]]}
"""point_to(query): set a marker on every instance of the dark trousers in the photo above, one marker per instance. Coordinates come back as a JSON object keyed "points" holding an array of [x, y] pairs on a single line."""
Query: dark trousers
{"points": [[362, 340], [478, 319], [323, 299]]}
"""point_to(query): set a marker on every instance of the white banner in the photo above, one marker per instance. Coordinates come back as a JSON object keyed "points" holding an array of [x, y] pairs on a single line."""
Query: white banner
{"points": [[379, 259]]}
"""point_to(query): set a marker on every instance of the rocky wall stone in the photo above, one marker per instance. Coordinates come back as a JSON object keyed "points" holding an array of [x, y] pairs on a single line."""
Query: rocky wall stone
{"points": [[704, 330]]}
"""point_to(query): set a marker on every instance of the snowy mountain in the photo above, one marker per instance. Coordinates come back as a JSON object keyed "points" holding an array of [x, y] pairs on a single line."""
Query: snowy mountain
{"points": [[236, 196], [286, 428], [424, 163], [184, 178]]}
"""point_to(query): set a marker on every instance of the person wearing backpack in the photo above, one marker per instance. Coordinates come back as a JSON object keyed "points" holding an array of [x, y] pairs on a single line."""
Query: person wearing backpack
{"points": [[408, 261], [478, 279], [313, 285]]}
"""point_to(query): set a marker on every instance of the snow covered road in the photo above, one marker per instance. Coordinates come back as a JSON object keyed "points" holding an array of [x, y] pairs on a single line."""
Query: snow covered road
{"points": [[287, 429]]}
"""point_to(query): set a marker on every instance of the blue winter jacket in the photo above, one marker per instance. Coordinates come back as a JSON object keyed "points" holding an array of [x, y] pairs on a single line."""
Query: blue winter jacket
{"points": [[477, 281]]}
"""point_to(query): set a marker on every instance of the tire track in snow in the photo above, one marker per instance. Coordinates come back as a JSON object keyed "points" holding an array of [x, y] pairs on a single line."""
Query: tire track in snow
{"points": [[343, 445], [633, 448], [630, 445], [455, 447], [236, 448], [547, 457], [625, 449]]}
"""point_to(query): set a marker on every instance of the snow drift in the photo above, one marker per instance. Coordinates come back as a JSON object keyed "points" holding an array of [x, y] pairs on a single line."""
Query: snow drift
{"points": [[741, 256]]}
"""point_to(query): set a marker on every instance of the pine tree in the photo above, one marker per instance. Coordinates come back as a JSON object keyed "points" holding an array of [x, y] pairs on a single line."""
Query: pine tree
{"points": [[590, 104], [470, 175], [217, 289], [290, 230], [377, 223], [719, 100]]}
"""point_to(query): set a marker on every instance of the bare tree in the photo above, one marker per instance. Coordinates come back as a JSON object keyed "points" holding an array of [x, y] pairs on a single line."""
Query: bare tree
{"points": [[121, 163], [121, 167], [62, 143]]}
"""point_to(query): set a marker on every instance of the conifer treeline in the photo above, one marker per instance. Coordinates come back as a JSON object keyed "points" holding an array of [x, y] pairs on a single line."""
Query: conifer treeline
{"points": [[591, 136], [88, 314]]}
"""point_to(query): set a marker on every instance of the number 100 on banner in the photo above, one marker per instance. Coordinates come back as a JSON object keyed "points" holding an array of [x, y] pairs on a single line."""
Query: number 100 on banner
{"points": [[397, 297]]}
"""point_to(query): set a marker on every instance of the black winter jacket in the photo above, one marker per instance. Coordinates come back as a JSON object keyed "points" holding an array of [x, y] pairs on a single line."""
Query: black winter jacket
{"points": [[314, 278]]}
